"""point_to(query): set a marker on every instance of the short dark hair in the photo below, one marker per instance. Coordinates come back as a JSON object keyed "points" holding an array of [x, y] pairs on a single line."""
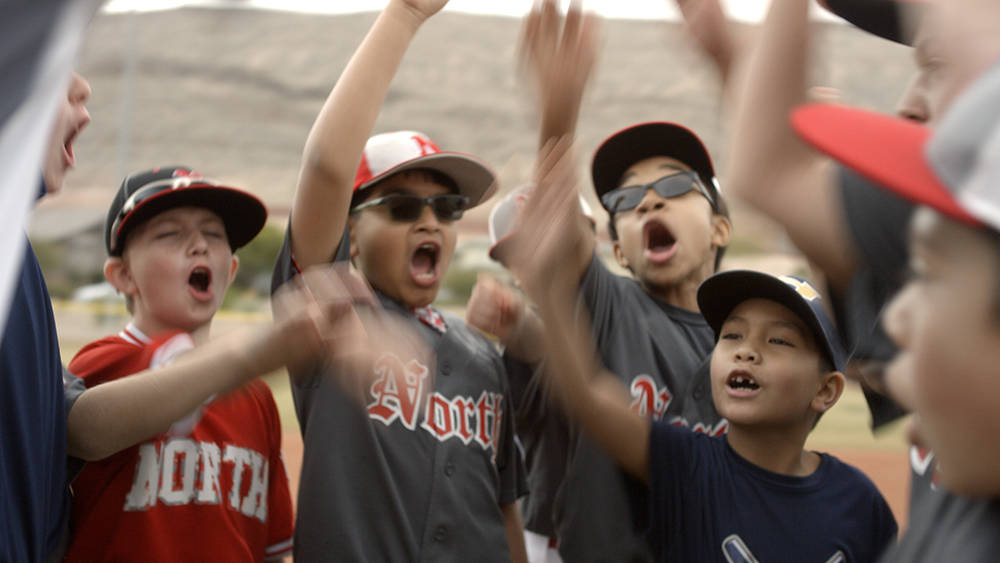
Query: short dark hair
{"points": [[435, 176], [721, 208]]}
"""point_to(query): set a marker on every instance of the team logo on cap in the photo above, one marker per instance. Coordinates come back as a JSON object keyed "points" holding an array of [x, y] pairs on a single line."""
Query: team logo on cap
{"points": [[803, 288]]}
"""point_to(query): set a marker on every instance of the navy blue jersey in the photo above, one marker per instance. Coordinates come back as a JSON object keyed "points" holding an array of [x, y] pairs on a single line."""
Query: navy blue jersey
{"points": [[33, 495], [660, 352], [706, 503]]}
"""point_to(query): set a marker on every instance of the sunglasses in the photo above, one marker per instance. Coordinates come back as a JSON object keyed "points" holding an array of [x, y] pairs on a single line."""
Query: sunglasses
{"points": [[673, 185], [145, 192], [406, 208]]}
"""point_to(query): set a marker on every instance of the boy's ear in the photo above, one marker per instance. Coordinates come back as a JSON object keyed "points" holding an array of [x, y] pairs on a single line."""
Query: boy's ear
{"points": [[353, 240], [831, 387], [620, 256], [117, 273], [722, 228], [232, 270]]}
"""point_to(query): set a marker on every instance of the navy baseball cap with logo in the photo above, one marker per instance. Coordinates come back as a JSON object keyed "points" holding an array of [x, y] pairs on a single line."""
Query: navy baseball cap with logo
{"points": [[145, 194], [721, 293], [391, 153], [656, 138], [953, 170], [895, 20]]}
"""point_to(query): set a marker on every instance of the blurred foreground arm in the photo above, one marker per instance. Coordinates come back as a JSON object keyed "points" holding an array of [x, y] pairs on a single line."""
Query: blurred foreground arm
{"points": [[558, 54], [769, 167], [318, 321], [592, 396]]}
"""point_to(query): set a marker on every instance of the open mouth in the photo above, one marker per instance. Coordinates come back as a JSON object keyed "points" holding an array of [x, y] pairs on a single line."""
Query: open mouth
{"points": [[742, 381], [659, 242], [200, 279], [424, 262], [68, 154]]}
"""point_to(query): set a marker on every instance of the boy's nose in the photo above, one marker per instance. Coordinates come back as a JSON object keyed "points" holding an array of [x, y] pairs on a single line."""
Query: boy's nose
{"points": [[198, 244], [428, 221], [745, 354]]}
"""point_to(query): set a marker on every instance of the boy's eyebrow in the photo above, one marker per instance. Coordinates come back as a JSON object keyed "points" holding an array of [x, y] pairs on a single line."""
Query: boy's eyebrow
{"points": [[797, 327]]}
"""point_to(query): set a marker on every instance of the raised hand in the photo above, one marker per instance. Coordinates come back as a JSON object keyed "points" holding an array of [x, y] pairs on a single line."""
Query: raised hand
{"points": [[540, 249], [558, 55], [706, 23]]}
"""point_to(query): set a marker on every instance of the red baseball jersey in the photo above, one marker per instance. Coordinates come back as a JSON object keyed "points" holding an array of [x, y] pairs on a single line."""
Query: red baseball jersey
{"points": [[211, 488]]}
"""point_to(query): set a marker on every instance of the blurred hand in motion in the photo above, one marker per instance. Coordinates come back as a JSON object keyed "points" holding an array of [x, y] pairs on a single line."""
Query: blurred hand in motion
{"points": [[558, 55], [494, 308], [706, 23], [329, 315], [540, 248]]}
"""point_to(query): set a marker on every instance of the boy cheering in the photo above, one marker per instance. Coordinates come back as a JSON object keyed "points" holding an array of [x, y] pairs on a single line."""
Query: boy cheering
{"points": [[426, 471], [754, 494]]}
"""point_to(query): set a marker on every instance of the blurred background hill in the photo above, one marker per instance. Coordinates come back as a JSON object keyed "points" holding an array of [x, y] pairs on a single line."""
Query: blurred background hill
{"points": [[233, 92]]}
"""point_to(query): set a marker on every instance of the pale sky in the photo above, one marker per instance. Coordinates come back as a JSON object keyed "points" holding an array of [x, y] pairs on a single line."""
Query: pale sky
{"points": [[744, 10]]}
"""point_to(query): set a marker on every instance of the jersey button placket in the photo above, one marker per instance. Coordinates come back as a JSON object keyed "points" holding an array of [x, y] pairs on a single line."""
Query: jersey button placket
{"points": [[449, 469], [440, 534], [445, 368]]}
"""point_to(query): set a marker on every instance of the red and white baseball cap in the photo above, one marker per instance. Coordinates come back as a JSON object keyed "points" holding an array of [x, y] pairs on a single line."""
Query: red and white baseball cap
{"points": [[503, 217], [895, 20], [390, 153], [955, 169]]}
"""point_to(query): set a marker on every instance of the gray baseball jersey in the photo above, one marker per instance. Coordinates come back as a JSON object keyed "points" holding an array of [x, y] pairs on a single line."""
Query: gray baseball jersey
{"points": [[660, 352], [400, 481], [544, 434], [946, 527]]}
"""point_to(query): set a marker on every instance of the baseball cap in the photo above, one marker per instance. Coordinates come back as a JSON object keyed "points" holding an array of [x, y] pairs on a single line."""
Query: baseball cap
{"points": [[390, 153], [145, 194], [630, 145], [504, 215], [894, 20], [719, 294], [954, 170]]}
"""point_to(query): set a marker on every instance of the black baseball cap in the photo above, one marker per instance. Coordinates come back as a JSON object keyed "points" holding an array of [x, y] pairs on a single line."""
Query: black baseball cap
{"points": [[894, 20], [721, 293], [655, 138], [145, 194]]}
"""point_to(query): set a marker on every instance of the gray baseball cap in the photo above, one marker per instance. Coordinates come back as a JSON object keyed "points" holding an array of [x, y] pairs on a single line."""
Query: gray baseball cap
{"points": [[955, 169]]}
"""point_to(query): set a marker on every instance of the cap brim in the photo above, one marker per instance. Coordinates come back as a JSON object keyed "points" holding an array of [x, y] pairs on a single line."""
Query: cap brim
{"points": [[630, 145], [894, 20], [241, 212], [887, 150], [475, 180], [721, 293]]}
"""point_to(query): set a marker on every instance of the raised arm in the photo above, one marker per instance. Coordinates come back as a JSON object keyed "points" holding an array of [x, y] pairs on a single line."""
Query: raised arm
{"points": [[591, 396], [558, 55], [333, 149], [769, 167], [706, 23], [318, 321]]}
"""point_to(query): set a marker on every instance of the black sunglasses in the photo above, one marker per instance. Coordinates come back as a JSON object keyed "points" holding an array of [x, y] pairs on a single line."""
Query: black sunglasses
{"points": [[407, 208], [672, 185]]}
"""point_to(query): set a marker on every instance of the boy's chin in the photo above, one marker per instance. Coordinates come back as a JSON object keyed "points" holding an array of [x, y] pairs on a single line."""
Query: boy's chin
{"points": [[413, 296]]}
